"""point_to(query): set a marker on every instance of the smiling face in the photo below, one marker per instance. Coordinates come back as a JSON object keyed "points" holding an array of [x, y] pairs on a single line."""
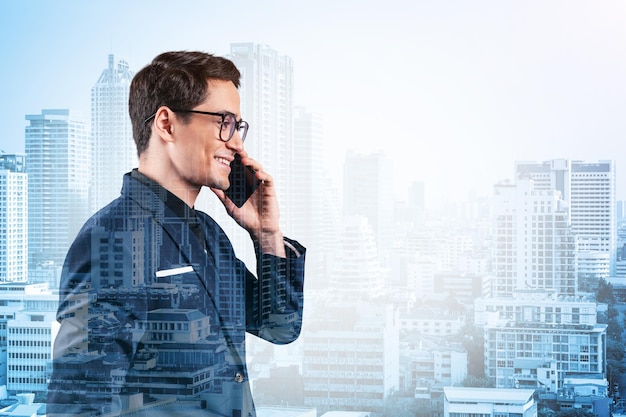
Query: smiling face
{"points": [[197, 154]]}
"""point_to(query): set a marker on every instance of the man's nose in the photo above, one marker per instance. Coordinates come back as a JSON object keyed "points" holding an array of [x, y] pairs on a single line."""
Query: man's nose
{"points": [[235, 143]]}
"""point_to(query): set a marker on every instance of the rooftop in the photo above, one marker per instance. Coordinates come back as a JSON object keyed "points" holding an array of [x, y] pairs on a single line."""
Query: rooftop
{"points": [[499, 395]]}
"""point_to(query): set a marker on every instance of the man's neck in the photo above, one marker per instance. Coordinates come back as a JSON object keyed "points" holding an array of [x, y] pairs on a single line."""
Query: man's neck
{"points": [[186, 193]]}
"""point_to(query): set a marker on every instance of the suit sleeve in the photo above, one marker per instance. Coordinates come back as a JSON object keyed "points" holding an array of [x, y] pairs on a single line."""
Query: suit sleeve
{"points": [[93, 336], [275, 300]]}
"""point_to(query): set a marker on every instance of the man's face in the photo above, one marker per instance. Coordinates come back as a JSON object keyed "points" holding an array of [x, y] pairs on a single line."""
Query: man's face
{"points": [[200, 157]]}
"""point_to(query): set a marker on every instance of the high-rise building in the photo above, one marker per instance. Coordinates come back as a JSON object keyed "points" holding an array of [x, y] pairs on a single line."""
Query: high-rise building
{"points": [[13, 218], [58, 158], [114, 151], [368, 192], [417, 202], [533, 243], [316, 218], [588, 188], [267, 104], [308, 173]]}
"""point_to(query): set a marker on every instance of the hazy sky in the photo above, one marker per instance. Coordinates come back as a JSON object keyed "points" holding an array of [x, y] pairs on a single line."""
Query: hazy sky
{"points": [[452, 91]]}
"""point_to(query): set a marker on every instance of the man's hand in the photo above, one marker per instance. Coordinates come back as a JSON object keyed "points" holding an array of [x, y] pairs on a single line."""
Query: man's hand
{"points": [[260, 214]]}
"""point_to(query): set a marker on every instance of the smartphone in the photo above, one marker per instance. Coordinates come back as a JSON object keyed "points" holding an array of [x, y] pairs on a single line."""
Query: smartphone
{"points": [[243, 182]]}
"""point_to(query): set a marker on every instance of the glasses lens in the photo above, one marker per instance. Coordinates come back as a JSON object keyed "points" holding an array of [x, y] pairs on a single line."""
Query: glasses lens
{"points": [[229, 123], [243, 129]]}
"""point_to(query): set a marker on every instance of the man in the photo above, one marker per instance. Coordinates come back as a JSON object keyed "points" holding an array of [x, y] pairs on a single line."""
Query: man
{"points": [[154, 304]]}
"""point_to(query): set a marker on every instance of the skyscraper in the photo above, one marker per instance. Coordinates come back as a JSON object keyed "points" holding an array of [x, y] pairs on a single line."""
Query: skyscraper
{"points": [[57, 155], [13, 218], [368, 192], [114, 151], [308, 174], [267, 104], [315, 211], [534, 247], [588, 188]]}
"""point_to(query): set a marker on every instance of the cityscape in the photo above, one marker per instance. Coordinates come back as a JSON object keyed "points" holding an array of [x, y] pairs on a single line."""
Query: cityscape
{"points": [[508, 302]]}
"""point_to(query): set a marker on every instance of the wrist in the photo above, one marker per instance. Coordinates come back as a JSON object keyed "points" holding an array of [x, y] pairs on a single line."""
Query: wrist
{"points": [[270, 243]]}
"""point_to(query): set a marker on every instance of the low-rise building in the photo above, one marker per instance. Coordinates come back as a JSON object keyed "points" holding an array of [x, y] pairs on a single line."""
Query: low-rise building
{"points": [[488, 402]]}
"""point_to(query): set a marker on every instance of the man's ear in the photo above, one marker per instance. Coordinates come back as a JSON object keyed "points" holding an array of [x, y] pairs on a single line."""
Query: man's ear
{"points": [[163, 119]]}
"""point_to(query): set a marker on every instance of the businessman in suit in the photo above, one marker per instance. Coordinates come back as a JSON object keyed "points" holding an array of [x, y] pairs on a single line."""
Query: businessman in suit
{"points": [[154, 304]]}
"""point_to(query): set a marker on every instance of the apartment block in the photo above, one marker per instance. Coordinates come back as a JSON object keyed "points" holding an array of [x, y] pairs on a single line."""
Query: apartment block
{"points": [[13, 218]]}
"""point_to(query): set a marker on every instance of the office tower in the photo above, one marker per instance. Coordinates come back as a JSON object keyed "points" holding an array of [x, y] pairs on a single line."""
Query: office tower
{"points": [[267, 104], [588, 188], [368, 192], [58, 157], [316, 216], [533, 244], [13, 218], [417, 202], [114, 151], [308, 186]]}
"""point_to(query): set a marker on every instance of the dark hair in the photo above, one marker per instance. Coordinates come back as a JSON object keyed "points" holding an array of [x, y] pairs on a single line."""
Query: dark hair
{"points": [[177, 80]]}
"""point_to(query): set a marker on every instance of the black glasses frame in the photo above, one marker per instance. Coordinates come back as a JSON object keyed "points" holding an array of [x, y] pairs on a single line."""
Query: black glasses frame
{"points": [[238, 124]]}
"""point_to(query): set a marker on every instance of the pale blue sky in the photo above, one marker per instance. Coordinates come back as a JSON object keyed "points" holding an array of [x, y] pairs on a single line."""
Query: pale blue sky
{"points": [[452, 91]]}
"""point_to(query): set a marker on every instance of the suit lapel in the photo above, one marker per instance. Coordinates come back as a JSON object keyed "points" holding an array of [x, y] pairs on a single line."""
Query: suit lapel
{"points": [[179, 246]]}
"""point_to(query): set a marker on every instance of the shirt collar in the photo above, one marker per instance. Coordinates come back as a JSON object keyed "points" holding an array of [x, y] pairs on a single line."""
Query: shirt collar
{"points": [[178, 206]]}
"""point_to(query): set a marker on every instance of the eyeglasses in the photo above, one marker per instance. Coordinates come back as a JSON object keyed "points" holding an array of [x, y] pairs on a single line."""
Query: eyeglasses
{"points": [[228, 125]]}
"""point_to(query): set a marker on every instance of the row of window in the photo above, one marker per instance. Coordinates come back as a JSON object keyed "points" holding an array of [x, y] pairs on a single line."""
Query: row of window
{"points": [[27, 368], [30, 343], [22, 330], [29, 355], [30, 381]]}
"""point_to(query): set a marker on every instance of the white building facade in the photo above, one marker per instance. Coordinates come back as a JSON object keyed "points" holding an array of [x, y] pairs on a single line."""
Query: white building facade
{"points": [[28, 327], [533, 243], [13, 218], [487, 402], [588, 188], [351, 360], [57, 163], [576, 349], [114, 151]]}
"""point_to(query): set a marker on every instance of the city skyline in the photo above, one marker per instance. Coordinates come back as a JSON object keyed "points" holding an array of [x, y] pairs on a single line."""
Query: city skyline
{"points": [[468, 88], [473, 99]]}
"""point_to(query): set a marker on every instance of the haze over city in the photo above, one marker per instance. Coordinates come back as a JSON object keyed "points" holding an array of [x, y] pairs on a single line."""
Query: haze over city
{"points": [[425, 102], [452, 91]]}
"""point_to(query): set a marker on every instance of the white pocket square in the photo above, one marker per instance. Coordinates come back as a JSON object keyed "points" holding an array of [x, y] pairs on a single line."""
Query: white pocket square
{"points": [[174, 271]]}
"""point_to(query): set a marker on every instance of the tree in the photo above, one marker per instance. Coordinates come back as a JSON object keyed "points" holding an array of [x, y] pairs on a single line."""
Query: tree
{"points": [[546, 412], [478, 382], [604, 292], [472, 338]]}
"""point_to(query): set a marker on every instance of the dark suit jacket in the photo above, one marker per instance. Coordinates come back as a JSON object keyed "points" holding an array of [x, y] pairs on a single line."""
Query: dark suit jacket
{"points": [[148, 312]]}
